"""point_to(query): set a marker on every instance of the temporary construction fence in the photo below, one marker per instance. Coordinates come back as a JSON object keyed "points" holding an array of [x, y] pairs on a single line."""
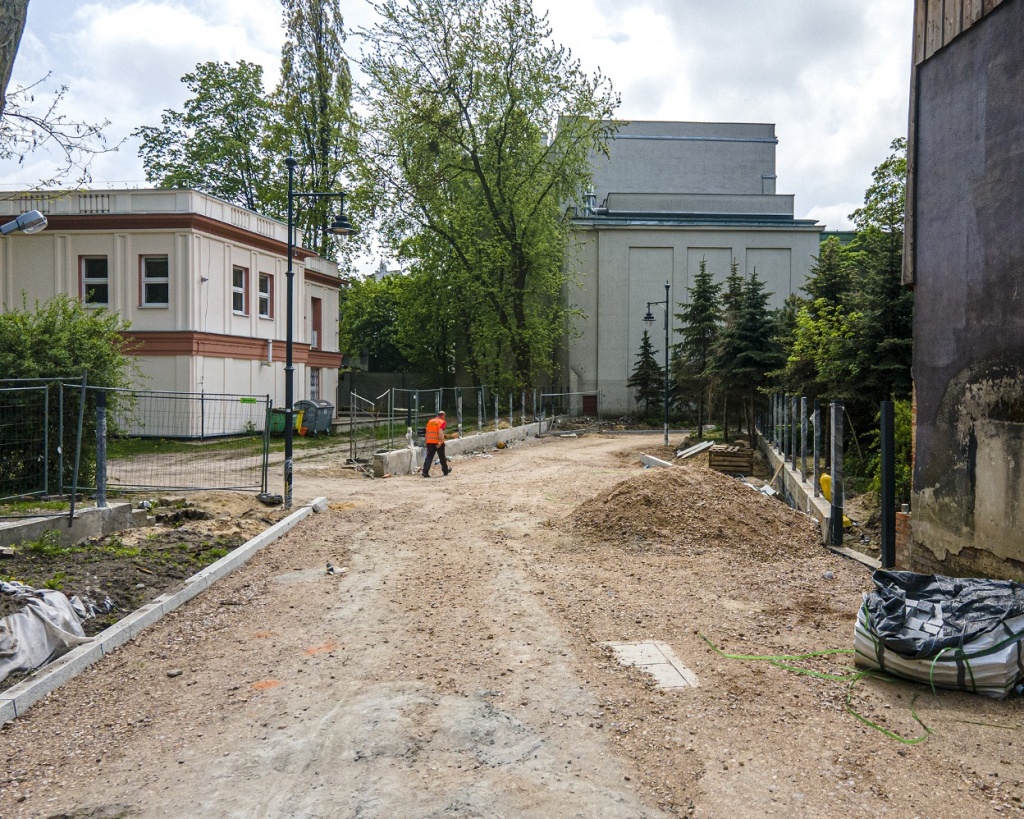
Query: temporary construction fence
{"points": [[42, 429], [186, 441], [59, 437], [380, 423]]}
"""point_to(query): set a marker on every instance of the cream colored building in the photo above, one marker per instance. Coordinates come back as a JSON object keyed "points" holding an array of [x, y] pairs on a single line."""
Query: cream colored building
{"points": [[202, 282], [669, 196]]}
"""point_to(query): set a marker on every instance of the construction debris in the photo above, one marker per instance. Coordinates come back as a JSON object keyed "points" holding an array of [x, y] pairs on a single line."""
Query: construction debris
{"points": [[725, 458]]}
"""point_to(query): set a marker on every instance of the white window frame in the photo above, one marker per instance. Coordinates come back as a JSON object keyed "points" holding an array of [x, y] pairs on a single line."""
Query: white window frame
{"points": [[146, 279], [86, 280], [240, 292], [265, 298]]}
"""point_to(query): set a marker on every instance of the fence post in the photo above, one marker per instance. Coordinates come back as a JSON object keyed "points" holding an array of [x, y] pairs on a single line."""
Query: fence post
{"points": [[522, 404], [888, 499], [837, 473], [60, 439], [202, 415], [458, 407], [785, 428], [511, 413], [803, 438], [794, 420], [480, 409], [78, 445], [101, 449], [815, 467], [497, 415]]}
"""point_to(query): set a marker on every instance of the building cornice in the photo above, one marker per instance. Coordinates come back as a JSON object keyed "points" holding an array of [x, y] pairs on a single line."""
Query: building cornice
{"points": [[170, 221], [213, 345]]}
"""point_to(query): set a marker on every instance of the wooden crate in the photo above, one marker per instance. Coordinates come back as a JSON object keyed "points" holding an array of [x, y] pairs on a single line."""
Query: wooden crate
{"points": [[731, 459]]}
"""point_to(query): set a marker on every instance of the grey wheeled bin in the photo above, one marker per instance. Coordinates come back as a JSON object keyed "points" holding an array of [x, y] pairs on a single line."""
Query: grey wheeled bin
{"points": [[316, 416]]}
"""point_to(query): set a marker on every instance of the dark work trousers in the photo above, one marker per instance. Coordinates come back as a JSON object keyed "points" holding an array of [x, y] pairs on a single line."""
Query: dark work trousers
{"points": [[428, 460]]}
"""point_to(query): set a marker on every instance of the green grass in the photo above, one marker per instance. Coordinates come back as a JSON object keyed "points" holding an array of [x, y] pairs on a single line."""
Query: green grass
{"points": [[19, 507]]}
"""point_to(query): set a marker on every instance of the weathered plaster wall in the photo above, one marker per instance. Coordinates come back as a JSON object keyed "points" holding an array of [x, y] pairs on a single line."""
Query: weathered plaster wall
{"points": [[969, 301]]}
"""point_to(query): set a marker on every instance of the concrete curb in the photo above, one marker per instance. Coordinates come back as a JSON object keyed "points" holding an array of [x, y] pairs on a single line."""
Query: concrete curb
{"points": [[16, 701]]}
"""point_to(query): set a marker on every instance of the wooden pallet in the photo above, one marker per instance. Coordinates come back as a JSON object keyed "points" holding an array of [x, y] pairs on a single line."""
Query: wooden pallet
{"points": [[731, 459]]}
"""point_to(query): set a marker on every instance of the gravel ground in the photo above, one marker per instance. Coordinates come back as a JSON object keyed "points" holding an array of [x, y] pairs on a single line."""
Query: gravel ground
{"points": [[456, 666]]}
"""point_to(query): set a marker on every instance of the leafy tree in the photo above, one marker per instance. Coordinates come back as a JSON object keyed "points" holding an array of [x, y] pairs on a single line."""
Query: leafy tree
{"points": [[60, 339], [648, 379], [699, 320], [218, 144], [885, 329], [314, 98], [822, 359], [370, 314], [478, 130]]}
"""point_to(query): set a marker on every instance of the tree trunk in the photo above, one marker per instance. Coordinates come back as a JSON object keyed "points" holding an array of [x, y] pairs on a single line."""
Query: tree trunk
{"points": [[12, 24]]}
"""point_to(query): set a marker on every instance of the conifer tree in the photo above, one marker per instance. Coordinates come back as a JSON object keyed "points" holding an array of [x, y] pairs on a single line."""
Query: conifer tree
{"points": [[699, 320], [648, 379]]}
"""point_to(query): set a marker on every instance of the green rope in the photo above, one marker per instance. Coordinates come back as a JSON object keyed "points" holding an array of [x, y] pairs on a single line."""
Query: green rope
{"points": [[784, 661], [891, 734]]}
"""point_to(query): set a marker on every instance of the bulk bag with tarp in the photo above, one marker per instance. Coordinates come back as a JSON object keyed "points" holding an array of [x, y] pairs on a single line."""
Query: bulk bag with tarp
{"points": [[949, 632]]}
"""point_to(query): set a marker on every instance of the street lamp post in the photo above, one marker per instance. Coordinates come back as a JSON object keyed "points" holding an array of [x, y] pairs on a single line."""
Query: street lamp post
{"points": [[340, 227], [649, 318]]}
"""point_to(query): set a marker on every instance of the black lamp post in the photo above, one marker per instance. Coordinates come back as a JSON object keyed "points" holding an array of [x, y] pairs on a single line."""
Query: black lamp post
{"points": [[340, 227], [649, 318]]}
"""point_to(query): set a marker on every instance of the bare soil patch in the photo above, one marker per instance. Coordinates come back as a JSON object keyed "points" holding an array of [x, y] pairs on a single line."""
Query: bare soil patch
{"points": [[457, 666], [133, 567]]}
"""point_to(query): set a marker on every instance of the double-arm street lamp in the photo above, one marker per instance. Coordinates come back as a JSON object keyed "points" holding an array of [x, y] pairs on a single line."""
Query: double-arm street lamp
{"points": [[339, 227], [649, 319]]}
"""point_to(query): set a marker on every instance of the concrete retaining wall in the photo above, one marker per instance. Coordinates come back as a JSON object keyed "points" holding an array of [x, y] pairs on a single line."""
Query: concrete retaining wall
{"points": [[91, 522], [801, 492], [405, 461]]}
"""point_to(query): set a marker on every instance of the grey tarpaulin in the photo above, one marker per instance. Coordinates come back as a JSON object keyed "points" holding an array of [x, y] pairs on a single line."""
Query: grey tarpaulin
{"points": [[951, 632], [48, 626]]}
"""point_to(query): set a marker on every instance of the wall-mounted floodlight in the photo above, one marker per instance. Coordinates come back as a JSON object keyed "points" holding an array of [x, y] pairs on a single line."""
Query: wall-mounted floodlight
{"points": [[31, 222]]}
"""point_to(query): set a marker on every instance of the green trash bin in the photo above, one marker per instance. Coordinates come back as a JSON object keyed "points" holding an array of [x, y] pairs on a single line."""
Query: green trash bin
{"points": [[277, 419]]}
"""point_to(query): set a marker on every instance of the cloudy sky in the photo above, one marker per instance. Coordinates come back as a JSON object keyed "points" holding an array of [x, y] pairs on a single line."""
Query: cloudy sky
{"points": [[833, 75]]}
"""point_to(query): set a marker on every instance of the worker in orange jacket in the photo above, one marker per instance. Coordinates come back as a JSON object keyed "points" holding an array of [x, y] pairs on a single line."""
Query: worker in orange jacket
{"points": [[435, 444]]}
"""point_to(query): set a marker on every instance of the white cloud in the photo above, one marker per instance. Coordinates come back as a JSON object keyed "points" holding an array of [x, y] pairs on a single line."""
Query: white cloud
{"points": [[833, 76]]}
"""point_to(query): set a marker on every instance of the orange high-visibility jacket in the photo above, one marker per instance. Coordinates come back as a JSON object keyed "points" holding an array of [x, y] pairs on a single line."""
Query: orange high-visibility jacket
{"points": [[435, 431]]}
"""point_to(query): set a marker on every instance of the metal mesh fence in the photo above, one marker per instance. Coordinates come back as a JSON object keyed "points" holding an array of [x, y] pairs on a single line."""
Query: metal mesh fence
{"points": [[23, 444], [187, 441]]}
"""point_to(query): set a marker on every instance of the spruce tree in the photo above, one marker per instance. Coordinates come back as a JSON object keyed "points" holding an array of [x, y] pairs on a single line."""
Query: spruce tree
{"points": [[699, 320], [648, 379]]}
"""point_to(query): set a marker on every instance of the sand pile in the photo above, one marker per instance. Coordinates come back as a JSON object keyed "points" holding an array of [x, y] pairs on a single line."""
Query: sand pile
{"points": [[687, 509]]}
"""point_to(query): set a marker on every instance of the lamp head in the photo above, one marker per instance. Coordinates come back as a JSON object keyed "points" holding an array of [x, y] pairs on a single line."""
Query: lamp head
{"points": [[341, 226], [31, 222], [649, 318]]}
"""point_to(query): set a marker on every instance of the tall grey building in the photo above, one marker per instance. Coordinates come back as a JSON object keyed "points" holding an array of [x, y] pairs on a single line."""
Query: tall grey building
{"points": [[669, 195]]}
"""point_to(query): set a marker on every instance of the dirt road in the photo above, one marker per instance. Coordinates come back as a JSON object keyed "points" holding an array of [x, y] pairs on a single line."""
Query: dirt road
{"points": [[455, 668]]}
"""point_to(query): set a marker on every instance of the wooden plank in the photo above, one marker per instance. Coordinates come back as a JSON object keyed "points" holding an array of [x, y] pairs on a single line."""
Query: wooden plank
{"points": [[933, 28], [991, 4], [920, 19], [973, 11], [952, 20]]}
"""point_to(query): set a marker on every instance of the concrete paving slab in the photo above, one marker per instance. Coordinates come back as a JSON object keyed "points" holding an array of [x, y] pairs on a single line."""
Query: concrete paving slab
{"points": [[658, 660]]}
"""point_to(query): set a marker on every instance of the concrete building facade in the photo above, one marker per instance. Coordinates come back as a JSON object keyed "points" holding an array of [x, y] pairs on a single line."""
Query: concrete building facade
{"points": [[202, 281], [964, 258], [669, 195]]}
